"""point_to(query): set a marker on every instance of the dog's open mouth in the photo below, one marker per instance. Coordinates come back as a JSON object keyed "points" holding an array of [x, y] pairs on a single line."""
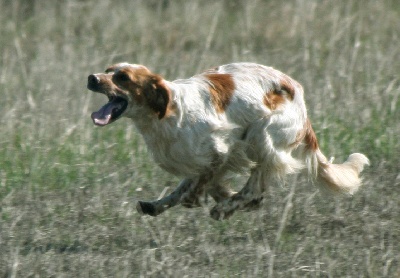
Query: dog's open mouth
{"points": [[110, 111]]}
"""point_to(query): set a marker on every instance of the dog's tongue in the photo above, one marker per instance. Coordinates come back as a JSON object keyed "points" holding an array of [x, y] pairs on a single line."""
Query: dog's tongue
{"points": [[103, 116]]}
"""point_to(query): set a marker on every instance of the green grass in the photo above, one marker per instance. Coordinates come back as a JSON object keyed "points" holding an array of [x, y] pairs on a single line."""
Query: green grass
{"points": [[68, 189]]}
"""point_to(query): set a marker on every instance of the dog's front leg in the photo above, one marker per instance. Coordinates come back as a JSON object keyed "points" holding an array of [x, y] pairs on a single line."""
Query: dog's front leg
{"points": [[155, 208]]}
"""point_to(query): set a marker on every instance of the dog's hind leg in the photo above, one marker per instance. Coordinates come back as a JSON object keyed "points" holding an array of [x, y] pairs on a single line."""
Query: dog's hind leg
{"points": [[250, 196], [220, 191]]}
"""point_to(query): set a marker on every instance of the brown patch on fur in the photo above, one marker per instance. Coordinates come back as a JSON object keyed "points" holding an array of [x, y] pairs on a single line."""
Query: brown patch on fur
{"points": [[106, 86], [144, 86], [273, 99], [282, 91], [308, 136], [222, 87], [286, 84], [158, 97]]}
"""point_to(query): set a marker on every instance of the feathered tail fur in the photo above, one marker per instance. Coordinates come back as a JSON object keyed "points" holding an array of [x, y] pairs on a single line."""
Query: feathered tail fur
{"points": [[335, 178]]}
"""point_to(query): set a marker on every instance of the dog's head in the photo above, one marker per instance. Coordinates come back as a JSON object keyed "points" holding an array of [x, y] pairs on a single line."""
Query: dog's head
{"points": [[128, 87], [144, 87]]}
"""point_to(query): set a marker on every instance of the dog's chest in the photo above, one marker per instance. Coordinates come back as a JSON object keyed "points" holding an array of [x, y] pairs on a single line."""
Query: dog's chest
{"points": [[189, 150]]}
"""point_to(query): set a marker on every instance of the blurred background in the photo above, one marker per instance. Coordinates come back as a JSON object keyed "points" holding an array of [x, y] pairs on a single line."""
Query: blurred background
{"points": [[68, 189]]}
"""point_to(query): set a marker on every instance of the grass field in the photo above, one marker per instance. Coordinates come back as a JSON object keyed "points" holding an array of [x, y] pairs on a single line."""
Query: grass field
{"points": [[68, 189]]}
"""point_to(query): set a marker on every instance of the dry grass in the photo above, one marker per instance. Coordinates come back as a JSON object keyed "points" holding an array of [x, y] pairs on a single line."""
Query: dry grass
{"points": [[68, 189]]}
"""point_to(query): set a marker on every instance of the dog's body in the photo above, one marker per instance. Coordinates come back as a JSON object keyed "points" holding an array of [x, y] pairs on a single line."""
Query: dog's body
{"points": [[236, 118]]}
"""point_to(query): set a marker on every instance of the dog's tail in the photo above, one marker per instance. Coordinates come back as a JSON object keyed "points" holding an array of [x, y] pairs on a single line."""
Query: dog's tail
{"points": [[334, 178]]}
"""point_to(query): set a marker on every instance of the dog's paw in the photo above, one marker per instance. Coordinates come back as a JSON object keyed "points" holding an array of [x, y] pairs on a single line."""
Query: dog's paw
{"points": [[146, 208], [218, 214]]}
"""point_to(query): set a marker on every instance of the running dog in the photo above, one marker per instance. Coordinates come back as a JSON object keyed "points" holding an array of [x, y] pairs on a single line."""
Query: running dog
{"points": [[240, 118]]}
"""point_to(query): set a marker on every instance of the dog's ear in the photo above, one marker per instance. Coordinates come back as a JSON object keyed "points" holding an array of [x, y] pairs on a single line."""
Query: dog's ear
{"points": [[156, 95]]}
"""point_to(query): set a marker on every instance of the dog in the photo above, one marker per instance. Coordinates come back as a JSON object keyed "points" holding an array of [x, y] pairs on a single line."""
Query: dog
{"points": [[239, 118]]}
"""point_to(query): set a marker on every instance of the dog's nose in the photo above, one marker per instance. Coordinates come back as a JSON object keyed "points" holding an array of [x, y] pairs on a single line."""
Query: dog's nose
{"points": [[93, 80]]}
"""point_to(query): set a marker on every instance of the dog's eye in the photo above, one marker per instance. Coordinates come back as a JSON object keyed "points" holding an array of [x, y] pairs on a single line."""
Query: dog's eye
{"points": [[123, 77]]}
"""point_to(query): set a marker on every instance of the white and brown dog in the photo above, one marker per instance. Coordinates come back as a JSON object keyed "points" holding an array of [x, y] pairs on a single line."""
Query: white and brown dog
{"points": [[237, 118]]}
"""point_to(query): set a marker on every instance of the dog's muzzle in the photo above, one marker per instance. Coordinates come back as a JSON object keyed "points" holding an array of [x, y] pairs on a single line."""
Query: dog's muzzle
{"points": [[93, 82]]}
